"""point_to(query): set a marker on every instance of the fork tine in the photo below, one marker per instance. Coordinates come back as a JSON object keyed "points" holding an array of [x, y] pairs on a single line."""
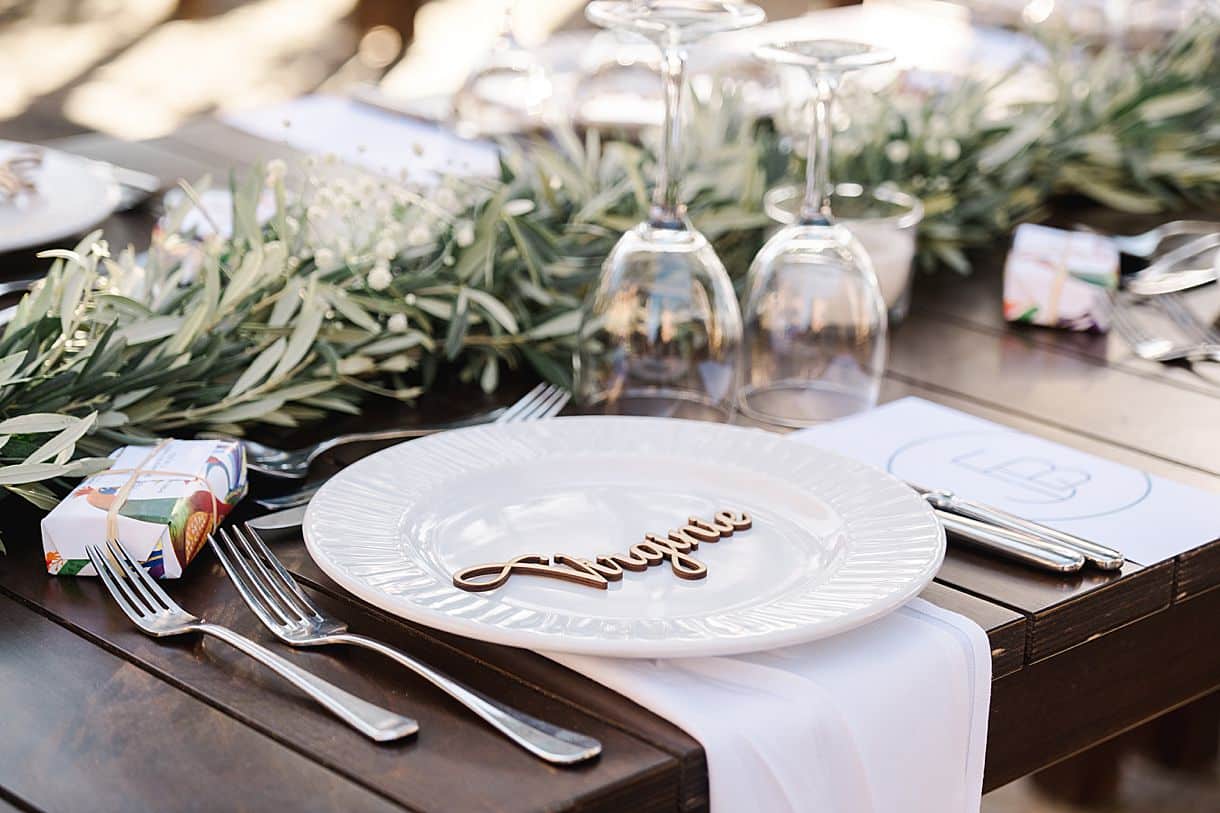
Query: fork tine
{"points": [[251, 579], [540, 402], [1182, 316], [111, 581], [1126, 324], [243, 589], [556, 405], [270, 579], [542, 410], [524, 402], [261, 548], [143, 581]]}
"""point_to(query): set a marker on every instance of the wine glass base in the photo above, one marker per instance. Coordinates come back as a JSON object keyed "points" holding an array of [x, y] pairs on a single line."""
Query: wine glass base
{"points": [[800, 403], [660, 403]]}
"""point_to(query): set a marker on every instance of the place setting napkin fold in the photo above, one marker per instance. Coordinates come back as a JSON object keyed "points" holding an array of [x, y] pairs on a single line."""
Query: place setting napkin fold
{"points": [[891, 716]]}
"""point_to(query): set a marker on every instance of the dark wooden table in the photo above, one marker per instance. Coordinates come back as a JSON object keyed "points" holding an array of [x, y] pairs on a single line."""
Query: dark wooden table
{"points": [[99, 717]]}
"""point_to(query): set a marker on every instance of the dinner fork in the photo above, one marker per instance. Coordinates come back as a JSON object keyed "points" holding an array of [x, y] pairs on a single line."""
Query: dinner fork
{"points": [[1159, 348], [543, 401], [294, 464], [277, 600], [1185, 318], [155, 613]]}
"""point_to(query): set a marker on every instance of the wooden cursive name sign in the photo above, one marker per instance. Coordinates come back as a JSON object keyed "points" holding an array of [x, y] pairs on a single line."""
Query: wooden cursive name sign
{"points": [[599, 572]]}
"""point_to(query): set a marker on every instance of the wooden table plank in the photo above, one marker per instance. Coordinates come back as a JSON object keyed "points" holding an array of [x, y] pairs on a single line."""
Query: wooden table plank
{"points": [[1063, 611], [1198, 570], [418, 773], [87, 730], [1060, 706]]}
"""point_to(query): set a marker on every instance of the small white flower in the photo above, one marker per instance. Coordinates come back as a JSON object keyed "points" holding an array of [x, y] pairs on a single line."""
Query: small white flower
{"points": [[409, 299], [951, 150], [518, 206], [317, 212], [276, 169], [325, 260], [419, 235], [380, 277], [446, 199], [463, 233], [448, 260], [398, 323], [385, 249], [100, 249], [897, 151], [382, 207]]}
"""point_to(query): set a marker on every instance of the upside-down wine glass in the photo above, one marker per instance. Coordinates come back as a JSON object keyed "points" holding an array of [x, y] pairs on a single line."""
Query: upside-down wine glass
{"points": [[815, 320], [508, 92], [661, 330]]}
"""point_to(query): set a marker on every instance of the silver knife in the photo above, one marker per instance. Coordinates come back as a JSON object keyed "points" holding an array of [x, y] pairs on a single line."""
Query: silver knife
{"points": [[1099, 556], [1010, 544], [285, 520]]}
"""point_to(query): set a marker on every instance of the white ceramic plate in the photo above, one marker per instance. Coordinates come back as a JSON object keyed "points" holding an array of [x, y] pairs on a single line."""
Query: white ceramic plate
{"points": [[835, 543], [74, 195]]}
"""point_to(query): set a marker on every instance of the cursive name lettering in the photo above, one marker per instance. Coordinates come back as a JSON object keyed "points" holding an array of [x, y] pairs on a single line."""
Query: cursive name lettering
{"points": [[598, 573]]}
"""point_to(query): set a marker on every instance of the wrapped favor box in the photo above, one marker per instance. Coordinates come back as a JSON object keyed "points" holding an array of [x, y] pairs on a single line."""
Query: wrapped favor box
{"points": [[179, 495], [1060, 278]]}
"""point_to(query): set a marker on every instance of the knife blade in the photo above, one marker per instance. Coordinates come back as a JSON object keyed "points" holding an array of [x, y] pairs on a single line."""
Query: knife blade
{"points": [[285, 520]]}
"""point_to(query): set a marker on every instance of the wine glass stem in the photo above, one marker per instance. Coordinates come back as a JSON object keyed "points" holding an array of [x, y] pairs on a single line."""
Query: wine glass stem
{"points": [[667, 207], [815, 208]]}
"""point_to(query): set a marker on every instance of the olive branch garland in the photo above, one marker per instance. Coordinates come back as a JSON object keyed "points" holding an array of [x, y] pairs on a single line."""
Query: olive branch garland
{"points": [[333, 286]]}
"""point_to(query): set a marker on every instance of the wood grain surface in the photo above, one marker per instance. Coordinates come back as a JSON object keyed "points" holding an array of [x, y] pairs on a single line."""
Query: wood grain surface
{"points": [[1076, 661]]}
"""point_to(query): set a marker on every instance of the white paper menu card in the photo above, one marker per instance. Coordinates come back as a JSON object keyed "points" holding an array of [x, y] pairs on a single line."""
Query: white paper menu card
{"points": [[1146, 517]]}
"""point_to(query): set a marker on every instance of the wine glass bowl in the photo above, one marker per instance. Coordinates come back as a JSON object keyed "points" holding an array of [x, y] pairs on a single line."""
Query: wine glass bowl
{"points": [[815, 339], [679, 20], [815, 324], [507, 93], [661, 330], [661, 334]]}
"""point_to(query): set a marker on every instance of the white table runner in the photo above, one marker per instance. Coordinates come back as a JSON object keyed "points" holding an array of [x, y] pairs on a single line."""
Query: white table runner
{"points": [[888, 717]]}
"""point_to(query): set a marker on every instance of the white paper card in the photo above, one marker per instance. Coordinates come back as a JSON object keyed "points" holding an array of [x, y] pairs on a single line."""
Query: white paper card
{"points": [[382, 142], [1148, 518]]}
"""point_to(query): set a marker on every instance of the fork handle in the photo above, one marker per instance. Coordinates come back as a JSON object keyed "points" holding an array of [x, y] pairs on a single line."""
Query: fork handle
{"points": [[399, 434], [542, 739], [370, 720]]}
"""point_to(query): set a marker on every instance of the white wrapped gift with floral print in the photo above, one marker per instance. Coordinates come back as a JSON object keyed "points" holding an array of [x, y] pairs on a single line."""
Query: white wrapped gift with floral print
{"points": [[1060, 278], [160, 501]]}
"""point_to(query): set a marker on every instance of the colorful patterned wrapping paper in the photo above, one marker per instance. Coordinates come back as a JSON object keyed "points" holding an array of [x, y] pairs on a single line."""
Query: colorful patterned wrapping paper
{"points": [[183, 490], [1060, 278]]}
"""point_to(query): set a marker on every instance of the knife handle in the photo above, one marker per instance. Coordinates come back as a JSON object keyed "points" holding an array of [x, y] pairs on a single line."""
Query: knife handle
{"points": [[1010, 544], [1099, 556]]}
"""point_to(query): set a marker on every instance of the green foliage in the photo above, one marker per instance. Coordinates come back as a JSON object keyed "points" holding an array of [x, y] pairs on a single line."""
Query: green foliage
{"points": [[354, 285]]}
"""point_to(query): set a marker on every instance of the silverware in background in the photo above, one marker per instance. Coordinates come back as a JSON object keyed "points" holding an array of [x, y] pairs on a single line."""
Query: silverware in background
{"points": [[1197, 341], [274, 596], [156, 614], [543, 401], [1147, 243]]}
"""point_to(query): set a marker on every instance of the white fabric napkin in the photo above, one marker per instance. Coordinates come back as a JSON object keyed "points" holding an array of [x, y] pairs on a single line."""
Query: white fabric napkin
{"points": [[888, 717]]}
